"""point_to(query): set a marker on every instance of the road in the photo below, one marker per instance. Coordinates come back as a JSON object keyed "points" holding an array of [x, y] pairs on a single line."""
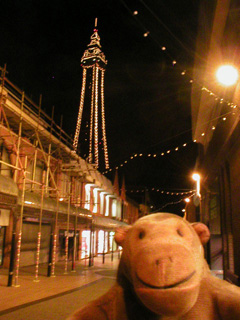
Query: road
{"points": [[59, 308]]}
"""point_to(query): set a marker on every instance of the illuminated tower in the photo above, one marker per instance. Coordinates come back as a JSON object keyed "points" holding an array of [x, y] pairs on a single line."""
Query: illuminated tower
{"points": [[94, 64]]}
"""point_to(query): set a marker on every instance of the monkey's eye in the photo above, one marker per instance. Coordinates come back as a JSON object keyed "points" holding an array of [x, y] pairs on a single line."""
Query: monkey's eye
{"points": [[141, 234], [180, 232]]}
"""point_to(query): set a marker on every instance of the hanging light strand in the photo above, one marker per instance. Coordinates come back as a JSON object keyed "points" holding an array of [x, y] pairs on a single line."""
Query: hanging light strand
{"points": [[172, 203], [91, 117], [222, 118], [96, 118], [159, 190], [136, 14], [148, 155], [79, 119], [104, 122]]}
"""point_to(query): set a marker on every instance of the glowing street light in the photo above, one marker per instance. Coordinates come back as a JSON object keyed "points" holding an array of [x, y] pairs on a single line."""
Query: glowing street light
{"points": [[227, 75], [196, 177]]}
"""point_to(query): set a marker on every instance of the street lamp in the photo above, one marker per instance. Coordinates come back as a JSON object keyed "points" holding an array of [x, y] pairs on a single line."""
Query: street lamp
{"points": [[196, 177], [197, 196], [227, 75]]}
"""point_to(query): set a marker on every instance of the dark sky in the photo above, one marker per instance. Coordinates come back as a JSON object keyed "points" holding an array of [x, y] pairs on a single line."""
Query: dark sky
{"points": [[147, 100]]}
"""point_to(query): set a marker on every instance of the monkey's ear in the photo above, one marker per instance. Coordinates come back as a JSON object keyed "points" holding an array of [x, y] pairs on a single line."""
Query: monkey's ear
{"points": [[120, 234], [202, 231]]}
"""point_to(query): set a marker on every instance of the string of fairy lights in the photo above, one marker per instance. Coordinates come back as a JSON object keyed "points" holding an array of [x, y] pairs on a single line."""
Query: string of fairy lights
{"points": [[147, 33], [185, 196], [104, 121], [164, 192], [164, 49], [233, 112], [182, 194], [148, 155], [223, 118]]}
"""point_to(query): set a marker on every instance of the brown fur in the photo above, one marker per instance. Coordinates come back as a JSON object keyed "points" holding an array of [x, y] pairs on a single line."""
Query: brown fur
{"points": [[162, 275]]}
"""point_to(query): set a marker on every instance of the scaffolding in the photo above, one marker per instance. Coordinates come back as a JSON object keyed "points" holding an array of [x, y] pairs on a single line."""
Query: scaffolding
{"points": [[30, 134], [39, 152]]}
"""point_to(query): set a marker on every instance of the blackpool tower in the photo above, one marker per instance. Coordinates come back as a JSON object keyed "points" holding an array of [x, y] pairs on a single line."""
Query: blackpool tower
{"points": [[94, 64]]}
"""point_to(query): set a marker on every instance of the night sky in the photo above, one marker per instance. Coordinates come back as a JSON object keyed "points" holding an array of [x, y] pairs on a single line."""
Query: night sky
{"points": [[147, 99]]}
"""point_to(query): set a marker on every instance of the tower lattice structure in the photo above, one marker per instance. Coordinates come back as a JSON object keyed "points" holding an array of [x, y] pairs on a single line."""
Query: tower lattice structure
{"points": [[94, 64]]}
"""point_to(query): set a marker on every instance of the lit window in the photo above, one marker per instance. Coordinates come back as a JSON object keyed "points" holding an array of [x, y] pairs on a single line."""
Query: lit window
{"points": [[95, 200], [107, 206], [87, 196], [102, 202], [114, 208]]}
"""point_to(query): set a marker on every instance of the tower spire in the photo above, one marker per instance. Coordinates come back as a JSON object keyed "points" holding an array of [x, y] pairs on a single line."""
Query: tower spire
{"points": [[93, 63]]}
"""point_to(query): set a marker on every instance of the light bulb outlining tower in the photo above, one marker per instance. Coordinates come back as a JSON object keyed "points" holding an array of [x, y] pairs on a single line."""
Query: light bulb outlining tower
{"points": [[93, 61]]}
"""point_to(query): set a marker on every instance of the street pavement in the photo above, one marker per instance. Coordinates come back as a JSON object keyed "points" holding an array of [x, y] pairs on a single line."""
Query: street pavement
{"points": [[56, 297]]}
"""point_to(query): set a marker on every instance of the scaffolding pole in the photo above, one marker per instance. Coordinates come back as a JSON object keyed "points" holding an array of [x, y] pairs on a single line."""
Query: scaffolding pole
{"points": [[103, 260], [36, 144], [3, 74], [49, 153], [55, 241], [66, 239], [39, 231], [50, 253], [34, 164], [48, 167], [12, 255], [19, 138], [20, 225], [45, 159], [74, 244]]}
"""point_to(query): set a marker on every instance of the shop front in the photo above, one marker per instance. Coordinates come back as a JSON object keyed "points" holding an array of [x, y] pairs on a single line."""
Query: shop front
{"points": [[8, 203], [62, 244], [99, 240]]}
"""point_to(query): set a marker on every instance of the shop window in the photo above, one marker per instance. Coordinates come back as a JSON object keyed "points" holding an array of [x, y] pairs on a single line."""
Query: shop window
{"points": [[87, 196], [62, 243], [95, 200], [101, 246], [114, 208], [112, 243], [85, 244], [107, 206], [102, 200]]}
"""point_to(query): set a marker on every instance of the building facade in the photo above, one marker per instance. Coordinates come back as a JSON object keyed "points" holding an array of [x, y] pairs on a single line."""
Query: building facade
{"points": [[216, 128], [54, 205]]}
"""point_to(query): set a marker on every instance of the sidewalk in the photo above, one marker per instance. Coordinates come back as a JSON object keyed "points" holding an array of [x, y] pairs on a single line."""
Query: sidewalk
{"points": [[30, 291]]}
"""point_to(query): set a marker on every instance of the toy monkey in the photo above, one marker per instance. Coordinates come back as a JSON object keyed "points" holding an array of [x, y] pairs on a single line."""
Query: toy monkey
{"points": [[163, 275]]}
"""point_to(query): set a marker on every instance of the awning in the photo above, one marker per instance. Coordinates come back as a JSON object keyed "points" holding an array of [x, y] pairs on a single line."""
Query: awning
{"points": [[33, 200], [107, 222]]}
